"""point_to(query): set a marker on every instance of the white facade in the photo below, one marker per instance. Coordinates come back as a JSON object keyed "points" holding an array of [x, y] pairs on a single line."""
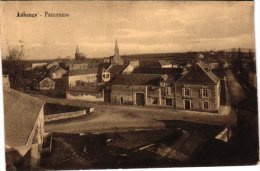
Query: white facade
{"points": [[129, 69], [105, 76], [41, 64], [86, 78]]}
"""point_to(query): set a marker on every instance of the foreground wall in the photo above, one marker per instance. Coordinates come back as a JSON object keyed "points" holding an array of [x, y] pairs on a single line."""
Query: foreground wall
{"points": [[67, 115]]}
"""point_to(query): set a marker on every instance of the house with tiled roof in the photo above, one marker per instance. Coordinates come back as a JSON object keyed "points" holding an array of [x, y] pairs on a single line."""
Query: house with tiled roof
{"points": [[143, 90], [44, 84], [112, 72], [56, 71], [24, 128], [198, 89]]}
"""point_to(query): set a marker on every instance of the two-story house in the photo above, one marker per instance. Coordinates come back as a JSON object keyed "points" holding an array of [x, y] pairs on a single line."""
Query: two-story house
{"points": [[198, 89]]}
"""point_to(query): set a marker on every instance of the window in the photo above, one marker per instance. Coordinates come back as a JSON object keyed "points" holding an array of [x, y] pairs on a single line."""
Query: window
{"points": [[168, 102], [105, 75], [186, 92], [154, 100], [78, 83], [205, 105], [168, 90], [204, 93]]}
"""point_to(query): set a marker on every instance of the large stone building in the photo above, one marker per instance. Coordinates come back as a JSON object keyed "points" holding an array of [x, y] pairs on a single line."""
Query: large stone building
{"points": [[142, 89], [198, 89]]}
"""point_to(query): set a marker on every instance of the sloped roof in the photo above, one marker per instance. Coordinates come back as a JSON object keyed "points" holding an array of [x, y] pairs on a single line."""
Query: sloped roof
{"points": [[171, 71], [197, 75], [53, 64], [46, 78], [116, 69], [20, 114], [83, 71], [55, 68], [137, 79], [164, 62], [104, 65]]}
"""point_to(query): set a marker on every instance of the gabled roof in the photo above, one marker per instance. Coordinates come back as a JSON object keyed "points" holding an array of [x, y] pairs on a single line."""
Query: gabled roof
{"points": [[83, 71], [198, 75], [46, 78], [137, 79], [116, 69], [55, 68], [20, 114], [42, 78], [164, 62], [104, 65]]}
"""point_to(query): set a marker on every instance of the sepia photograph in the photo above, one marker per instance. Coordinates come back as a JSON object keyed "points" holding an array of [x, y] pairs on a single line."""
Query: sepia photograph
{"points": [[128, 84]]}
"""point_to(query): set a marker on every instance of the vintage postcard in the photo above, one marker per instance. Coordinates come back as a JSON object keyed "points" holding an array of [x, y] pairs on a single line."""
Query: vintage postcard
{"points": [[128, 84]]}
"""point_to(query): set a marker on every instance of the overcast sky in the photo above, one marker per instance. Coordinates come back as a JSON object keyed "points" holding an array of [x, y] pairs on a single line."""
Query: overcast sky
{"points": [[139, 27]]}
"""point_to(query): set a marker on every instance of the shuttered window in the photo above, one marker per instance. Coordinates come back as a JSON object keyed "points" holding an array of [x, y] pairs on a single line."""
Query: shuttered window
{"points": [[204, 93], [186, 92], [168, 90], [205, 105]]}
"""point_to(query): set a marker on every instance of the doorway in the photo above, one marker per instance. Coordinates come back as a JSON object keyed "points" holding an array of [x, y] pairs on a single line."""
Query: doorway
{"points": [[187, 104], [140, 99]]}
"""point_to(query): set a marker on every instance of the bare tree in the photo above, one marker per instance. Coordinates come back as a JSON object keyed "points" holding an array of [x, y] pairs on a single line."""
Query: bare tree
{"points": [[14, 65]]}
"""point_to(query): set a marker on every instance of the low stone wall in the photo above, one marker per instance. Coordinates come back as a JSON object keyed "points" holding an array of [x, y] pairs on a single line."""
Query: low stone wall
{"points": [[66, 115]]}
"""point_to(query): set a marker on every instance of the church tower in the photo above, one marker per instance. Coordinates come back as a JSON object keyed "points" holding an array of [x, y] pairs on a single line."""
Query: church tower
{"points": [[77, 55], [117, 60], [116, 50]]}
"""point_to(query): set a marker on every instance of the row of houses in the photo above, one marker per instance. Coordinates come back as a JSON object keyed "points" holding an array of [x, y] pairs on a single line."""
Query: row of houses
{"points": [[193, 87], [190, 87]]}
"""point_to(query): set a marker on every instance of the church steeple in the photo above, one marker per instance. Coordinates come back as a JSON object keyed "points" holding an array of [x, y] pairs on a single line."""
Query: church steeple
{"points": [[77, 49], [116, 58], [116, 50], [77, 55]]}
